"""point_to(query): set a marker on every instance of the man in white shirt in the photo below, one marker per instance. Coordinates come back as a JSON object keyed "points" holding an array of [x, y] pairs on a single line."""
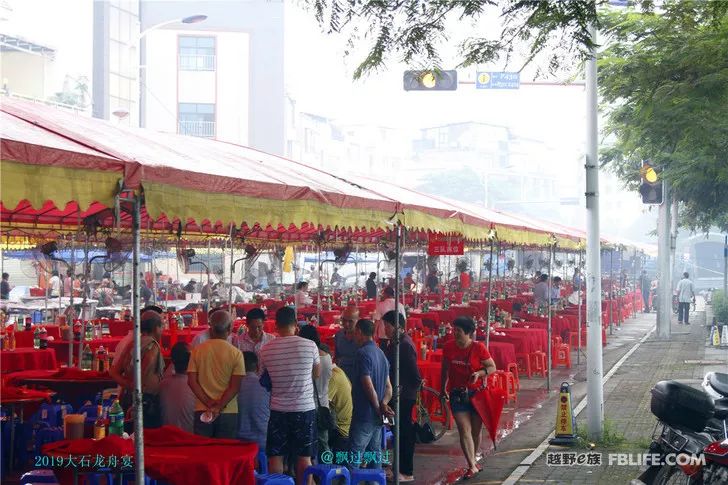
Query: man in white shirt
{"points": [[54, 285], [301, 298], [292, 363], [685, 296], [255, 338], [541, 290], [385, 305]]}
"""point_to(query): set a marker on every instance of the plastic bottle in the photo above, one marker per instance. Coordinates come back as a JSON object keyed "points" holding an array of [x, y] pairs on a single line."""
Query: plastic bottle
{"points": [[36, 338], [43, 338], [87, 358], [100, 423], [89, 331], [116, 419], [102, 362]]}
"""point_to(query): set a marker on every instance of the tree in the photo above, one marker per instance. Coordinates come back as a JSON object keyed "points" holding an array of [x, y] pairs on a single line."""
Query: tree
{"points": [[413, 31], [665, 79]]}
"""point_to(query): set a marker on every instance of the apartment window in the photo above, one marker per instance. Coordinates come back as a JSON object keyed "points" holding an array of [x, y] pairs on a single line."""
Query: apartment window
{"points": [[196, 53], [197, 119]]}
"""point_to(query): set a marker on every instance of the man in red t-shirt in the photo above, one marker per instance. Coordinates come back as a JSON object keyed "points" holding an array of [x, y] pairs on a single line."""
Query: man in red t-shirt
{"points": [[465, 363], [464, 280]]}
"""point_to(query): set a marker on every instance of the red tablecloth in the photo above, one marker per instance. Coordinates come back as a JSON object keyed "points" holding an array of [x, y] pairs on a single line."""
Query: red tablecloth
{"points": [[27, 359], [465, 311], [430, 372], [503, 354], [25, 339], [27, 400], [171, 456], [525, 340], [61, 347]]}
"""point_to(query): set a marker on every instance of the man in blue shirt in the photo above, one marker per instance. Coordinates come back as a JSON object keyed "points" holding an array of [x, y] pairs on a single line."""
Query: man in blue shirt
{"points": [[345, 342], [253, 404], [371, 392]]}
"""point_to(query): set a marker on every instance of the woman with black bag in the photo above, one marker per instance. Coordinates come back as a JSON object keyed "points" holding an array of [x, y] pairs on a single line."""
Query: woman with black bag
{"points": [[409, 383], [465, 365]]}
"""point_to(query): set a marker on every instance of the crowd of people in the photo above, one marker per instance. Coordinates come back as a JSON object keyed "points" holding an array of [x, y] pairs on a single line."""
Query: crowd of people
{"points": [[287, 392]]}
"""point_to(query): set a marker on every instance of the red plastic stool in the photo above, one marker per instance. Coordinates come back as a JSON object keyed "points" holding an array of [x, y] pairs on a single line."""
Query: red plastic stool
{"points": [[538, 363], [512, 367], [503, 380], [574, 339], [561, 356], [523, 362], [555, 341]]}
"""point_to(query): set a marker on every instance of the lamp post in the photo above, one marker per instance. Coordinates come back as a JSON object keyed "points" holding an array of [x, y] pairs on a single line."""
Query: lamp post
{"points": [[192, 19]]}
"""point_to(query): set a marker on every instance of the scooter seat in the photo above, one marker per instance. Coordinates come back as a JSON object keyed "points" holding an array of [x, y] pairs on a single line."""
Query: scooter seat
{"points": [[719, 382], [721, 409]]}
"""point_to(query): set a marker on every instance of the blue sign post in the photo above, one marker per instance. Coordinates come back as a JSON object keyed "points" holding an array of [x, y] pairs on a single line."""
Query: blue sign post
{"points": [[498, 80]]}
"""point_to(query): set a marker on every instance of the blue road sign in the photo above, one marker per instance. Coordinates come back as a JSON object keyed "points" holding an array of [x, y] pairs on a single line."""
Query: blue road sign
{"points": [[498, 80]]}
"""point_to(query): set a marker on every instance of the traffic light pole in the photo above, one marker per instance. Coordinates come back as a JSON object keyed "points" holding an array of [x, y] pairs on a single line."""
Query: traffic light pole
{"points": [[595, 391], [664, 289]]}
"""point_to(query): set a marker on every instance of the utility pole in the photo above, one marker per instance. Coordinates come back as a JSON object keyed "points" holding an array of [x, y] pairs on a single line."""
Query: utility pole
{"points": [[725, 266], [595, 391], [664, 310]]}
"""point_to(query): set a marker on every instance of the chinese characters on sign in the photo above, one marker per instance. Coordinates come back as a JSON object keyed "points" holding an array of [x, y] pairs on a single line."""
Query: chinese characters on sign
{"points": [[498, 80], [442, 245]]}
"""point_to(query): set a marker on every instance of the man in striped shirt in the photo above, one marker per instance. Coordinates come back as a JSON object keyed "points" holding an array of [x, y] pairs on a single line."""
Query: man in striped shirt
{"points": [[292, 363]]}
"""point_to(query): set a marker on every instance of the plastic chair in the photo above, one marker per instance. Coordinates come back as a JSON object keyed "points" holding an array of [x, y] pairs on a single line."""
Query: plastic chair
{"points": [[523, 362], [38, 476], [561, 356], [326, 473], [538, 362], [51, 414], [47, 435], [386, 436], [513, 369], [273, 479], [368, 475], [262, 463]]}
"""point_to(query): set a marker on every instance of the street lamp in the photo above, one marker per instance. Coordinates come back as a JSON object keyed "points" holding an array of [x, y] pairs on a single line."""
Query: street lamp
{"points": [[192, 19]]}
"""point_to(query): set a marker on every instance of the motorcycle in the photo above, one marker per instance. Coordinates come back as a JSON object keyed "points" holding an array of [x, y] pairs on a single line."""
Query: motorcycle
{"points": [[692, 428]]}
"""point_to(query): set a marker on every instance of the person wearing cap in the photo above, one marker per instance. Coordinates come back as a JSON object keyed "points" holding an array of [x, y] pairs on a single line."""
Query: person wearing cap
{"points": [[409, 381], [152, 367], [255, 338], [214, 374]]}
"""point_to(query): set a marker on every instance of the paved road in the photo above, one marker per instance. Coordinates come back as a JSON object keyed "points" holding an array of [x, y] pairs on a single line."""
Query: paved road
{"points": [[626, 407]]}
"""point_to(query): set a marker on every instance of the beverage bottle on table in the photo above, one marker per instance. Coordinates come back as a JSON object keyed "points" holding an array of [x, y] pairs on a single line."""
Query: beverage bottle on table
{"points": [[100, 423], [28, 324], [116, 419], [36, 338], [77, 330], [43, 338], [87, 358], [89, 333], [101, 359]]}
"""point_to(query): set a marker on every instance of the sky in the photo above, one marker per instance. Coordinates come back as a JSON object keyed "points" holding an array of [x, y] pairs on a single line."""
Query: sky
{"points": [[319, 78]]}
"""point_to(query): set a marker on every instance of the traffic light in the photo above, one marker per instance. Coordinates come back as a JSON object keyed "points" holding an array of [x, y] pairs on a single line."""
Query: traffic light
{"points": [[651, 183], [431, 80]]}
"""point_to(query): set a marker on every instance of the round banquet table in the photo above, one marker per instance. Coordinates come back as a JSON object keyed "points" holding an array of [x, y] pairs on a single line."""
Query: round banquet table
{"points": [[20, 401], [70, 384], [503, 353], [61, 346], [28, 359], [524, 340], [170, 456]]}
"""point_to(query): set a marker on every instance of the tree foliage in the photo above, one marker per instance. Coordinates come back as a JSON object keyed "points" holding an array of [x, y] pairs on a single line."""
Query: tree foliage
{"points": [[664, 80], [413, 31]]}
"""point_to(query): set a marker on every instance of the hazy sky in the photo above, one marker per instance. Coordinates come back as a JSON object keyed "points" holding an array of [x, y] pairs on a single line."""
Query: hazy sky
{"points": [[318, 77]]}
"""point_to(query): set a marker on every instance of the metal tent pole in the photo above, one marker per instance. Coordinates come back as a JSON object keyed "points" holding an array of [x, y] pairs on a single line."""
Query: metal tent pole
{"points": [[548, 328], [491, 236], [70, 300], [136, 309], [610, 297], [397, 424], [578, 297], [232, 270]]}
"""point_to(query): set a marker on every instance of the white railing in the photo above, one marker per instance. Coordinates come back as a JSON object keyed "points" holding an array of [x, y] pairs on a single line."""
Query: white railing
{"points": [[197, 128], [196, 63]]}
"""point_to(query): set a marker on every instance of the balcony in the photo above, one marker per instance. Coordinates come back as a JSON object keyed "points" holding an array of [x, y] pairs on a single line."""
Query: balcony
{"points": [[197, 63], [204, 129]]}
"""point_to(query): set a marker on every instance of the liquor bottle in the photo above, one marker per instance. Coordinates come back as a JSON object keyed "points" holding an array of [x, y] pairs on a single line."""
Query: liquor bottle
{"points": [[77, 330], [87, 358], [102, 360], [116, 419], [100, 423], [36, 338]]}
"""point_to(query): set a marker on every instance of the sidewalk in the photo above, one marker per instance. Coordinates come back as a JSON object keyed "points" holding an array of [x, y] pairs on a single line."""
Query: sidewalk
{"points": [[626, 408]]}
